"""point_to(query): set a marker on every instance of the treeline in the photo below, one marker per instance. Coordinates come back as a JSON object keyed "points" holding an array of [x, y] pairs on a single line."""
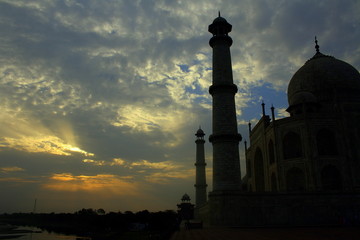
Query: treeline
{"points": [[98, 224]]}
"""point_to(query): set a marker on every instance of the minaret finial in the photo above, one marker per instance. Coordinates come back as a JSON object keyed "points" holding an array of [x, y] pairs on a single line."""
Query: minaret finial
{"points": [[263, 108], [316, 45], [272, 112]]}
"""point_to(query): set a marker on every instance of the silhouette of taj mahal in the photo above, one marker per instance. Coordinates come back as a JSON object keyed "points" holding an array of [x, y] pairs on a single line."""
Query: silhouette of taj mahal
{"points": [[300, 170]]}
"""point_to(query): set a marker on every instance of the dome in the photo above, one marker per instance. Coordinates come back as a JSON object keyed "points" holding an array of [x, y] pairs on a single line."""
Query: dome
{"points": [[200, 133], [185, 197], [324, 79], [219, 20], [303, 97], [220, 26]]}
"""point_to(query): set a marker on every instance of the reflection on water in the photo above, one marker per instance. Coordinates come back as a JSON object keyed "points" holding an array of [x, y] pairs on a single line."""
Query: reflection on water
{"points": [[37, 234]]}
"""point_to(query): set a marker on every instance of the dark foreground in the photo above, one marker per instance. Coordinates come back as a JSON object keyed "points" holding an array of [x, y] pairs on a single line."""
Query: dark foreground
{"points": [[92, 225], [306, 233]]}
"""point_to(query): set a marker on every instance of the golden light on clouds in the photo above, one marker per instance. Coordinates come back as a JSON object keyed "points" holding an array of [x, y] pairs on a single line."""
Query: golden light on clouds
{"points": [[104, 183], [42, 144], [166, 165], [118, 161], [149, 119], [94, 162], [17, 180], [142, 164], [153, 172], [25, 133], [11, 169], [166, 177], [142, 119]]}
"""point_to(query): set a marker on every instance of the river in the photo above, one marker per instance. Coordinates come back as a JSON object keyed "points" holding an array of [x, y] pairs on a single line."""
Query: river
{"points": [[30, 233]]}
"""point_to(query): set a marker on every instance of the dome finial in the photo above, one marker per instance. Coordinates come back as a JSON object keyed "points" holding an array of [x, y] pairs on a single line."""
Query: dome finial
{"points": [[219, 14], [316, 45]]}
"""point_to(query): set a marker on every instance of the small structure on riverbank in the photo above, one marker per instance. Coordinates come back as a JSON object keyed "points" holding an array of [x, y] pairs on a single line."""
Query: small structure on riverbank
{"points": [[186, 208]]}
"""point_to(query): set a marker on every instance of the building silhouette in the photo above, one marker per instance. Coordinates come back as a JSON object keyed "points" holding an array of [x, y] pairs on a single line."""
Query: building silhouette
{"points": [[316, 148], [300, 170]]}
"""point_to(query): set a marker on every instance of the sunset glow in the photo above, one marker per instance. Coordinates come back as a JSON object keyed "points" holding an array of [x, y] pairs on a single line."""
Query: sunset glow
{"points": [[98, 183]]}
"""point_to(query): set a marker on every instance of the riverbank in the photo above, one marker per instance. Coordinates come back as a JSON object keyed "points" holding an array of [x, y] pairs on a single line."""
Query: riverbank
{"points": [[8, 231], [111, 226]]}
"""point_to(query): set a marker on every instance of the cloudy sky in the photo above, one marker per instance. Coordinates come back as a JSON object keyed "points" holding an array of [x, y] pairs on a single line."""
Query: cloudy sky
{"points": [[100, 100]]}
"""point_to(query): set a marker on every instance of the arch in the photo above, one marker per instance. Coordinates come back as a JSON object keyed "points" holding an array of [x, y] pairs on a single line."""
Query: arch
{"points": [[273, 182], [259, 170], [271, 152], [295, 180], [326, 142], [292, 145], [353, 147], [331, 178], [248, 165]]}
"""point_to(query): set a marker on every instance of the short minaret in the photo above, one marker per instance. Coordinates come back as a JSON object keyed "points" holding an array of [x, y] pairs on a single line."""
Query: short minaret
{"points": [[200, 184], [225, 137], [185, 208]]}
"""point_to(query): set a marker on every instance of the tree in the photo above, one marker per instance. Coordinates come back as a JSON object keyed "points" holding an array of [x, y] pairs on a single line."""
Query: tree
{"points": [[100, 211]]}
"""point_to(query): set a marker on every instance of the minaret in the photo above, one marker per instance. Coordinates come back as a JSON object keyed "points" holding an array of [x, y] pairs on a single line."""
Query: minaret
{"points": [[225, 137], [200, 184]]}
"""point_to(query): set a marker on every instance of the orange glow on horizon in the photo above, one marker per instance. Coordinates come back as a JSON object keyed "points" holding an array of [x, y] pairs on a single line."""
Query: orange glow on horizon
{"points": [[106, 184]]}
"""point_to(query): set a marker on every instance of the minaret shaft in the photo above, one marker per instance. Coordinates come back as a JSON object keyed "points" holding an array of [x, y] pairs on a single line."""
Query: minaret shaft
{"points": [[200, 183], [222, 70], [225, 137]]}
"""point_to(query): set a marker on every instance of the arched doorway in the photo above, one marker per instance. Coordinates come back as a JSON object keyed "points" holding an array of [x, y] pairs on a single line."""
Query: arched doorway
{"points": [[271, 152], [259, 171], [292, 145], [326, 142], [331, 178], [273, 182], [295, 180]]}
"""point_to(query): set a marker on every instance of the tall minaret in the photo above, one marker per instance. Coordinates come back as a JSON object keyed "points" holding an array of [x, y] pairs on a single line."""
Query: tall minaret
{"points": [[200, 184], [225, 137]]}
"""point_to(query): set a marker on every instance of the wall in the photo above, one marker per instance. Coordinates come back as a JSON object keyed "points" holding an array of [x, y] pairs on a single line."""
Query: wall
{"points": [[283, 209]]}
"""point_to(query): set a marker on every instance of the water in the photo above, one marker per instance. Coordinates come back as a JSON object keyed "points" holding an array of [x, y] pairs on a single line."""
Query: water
{"points": [[44, 235]]}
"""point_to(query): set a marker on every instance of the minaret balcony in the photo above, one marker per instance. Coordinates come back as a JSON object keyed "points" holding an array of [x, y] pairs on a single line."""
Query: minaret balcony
{"points": [[223, 88], [213, 138], [220, 39]]}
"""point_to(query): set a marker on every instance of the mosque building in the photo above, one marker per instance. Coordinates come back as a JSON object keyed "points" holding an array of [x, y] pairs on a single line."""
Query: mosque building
{"points": [[300, 170]]}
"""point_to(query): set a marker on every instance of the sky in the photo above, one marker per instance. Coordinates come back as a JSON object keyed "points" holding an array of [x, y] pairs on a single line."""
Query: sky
{"points": [[100, 100]]}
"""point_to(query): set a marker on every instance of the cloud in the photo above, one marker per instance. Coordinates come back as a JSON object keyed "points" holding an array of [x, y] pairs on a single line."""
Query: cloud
{"points": [[46, 144], [16, 180], [281, 112], [11, 169], [142, 164], [101, 183], [24, 133], [167, 177], [153, 172], [146, 120]]}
